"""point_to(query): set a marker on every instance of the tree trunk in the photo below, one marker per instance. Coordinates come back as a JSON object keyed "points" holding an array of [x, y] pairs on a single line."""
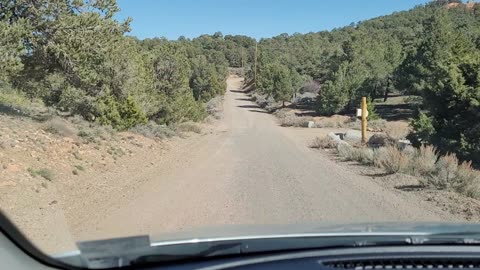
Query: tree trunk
{"points": [[386, 90], [374, 91], [283, 104]]}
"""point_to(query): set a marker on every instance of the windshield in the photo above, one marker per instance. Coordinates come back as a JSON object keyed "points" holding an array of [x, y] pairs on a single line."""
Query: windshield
{"points": [[183, 120]]}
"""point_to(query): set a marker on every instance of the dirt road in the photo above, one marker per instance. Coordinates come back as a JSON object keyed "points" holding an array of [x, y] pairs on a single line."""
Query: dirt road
{"points": [[248, 171]]}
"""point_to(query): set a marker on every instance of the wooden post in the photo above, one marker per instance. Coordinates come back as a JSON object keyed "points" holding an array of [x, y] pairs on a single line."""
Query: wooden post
{"points": [[364, 119]]}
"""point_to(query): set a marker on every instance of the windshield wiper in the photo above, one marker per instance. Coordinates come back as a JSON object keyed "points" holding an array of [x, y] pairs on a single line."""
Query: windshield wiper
{"points": [[215, 250], [259, 245]]}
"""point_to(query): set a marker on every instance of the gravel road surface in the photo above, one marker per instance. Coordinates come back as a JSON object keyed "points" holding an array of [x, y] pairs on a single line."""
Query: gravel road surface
{"points": [[248, 171]]}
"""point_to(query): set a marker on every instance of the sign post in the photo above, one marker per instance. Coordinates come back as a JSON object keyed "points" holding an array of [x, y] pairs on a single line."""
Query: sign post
{"points": [[364, 120]]}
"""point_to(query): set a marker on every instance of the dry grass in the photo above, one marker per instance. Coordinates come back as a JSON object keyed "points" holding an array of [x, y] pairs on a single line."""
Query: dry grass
{"points": [[189, 127], [215, 107], [391, 159], [346, 151], [377, 124], [47, 174], [59, 126], [397, 130], [323, 143], [424, 159], [445, 172], [363, 155], [294, 121], [452, 175], [154, 130], [287, 118], [467, 180]]}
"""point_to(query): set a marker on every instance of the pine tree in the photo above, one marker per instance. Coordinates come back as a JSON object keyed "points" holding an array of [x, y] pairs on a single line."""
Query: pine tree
{"points": [[448, 76]]}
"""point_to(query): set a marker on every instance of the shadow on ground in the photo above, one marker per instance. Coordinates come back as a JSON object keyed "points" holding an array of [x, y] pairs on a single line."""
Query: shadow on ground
{"points": [[253, 106], [237, 91], [395, 112], [259, 111], [244, 99], [409, 187], [377, 174]]}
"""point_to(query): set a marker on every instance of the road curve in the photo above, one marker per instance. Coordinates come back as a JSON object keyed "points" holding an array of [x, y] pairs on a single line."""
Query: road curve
{"points": [[250, 171]]}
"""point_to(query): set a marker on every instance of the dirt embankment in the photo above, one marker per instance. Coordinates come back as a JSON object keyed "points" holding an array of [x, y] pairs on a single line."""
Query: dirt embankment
{"points": [[53, 171]]}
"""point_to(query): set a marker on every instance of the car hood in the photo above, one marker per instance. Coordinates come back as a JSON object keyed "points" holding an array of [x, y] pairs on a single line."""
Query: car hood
{"points": [[257, 238], [259, 231]]}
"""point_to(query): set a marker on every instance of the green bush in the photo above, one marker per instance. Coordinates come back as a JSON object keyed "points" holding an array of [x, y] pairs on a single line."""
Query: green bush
{"points": [[372, 114], [120, 115]]}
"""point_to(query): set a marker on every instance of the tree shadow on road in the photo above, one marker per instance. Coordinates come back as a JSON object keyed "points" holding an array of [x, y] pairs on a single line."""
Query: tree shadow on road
{"points": [[237, 91], [252, 106], [244, 99], [409, 188], [377, 174], [258, 111]]}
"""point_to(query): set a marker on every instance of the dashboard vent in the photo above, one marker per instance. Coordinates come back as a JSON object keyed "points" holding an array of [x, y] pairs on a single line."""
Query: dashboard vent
{"points": [[416, 263]]}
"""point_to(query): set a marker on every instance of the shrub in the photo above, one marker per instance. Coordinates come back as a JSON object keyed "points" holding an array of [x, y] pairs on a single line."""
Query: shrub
{"points": [[215, 107], [292, 120], [45, 173], [17, 103], [311, 86], [79, 167], [346, 151], [12, 98], [445, 172], [391, 159], [372, 114], [396, 131], [153, 130], [122, 114], [449, 174], [325, 124], [364, 155], [467, 180], [424, 159], [282, 113], [88, 135], [189, 127], [323, 143]]}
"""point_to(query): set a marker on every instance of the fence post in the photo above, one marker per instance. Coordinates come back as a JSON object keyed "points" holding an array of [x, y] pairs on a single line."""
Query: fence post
{"points": [[364, 120]]}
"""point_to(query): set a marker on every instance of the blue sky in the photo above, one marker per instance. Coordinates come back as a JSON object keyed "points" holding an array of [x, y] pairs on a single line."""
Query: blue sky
{"points": [[255, 18]]}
